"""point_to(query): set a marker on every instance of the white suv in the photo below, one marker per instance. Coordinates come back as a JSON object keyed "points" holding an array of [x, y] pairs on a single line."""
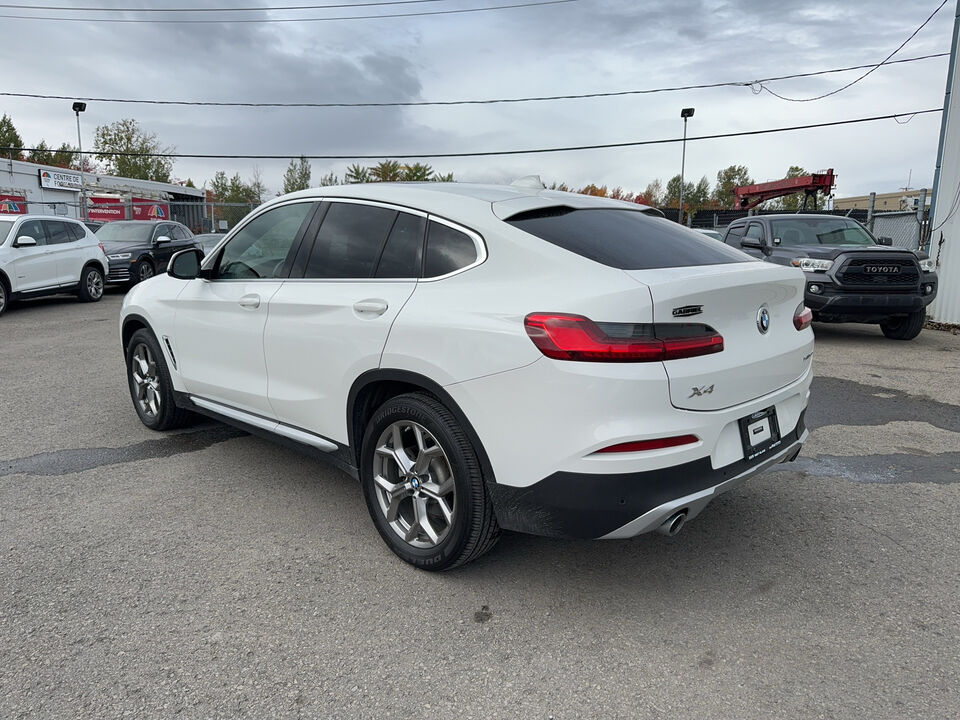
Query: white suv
{"points": [[484, 357], [46, 255]]}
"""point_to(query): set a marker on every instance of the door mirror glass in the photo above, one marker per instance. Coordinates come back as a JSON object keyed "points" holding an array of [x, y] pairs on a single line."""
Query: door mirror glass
{"points": [[885, 240], [26, 241], [185, 265], [161, 240]]}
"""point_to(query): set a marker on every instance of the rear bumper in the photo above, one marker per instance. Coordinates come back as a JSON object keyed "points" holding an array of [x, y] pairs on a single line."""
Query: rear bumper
{"points": [[582, 505]]}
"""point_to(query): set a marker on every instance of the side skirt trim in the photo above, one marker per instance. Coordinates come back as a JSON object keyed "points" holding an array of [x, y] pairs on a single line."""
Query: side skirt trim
{"points": [[272, 426]]}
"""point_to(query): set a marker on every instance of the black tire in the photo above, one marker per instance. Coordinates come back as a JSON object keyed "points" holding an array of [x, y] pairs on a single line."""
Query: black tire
{"points": [[143, 270], [163, 414], [472, 529], [91, 284], [904, 327], [4, 296]]}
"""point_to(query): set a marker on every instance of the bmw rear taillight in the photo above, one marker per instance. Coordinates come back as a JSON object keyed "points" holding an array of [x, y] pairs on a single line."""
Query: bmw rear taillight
{"points": [[802, 317], [573, 337], [102, 248]]}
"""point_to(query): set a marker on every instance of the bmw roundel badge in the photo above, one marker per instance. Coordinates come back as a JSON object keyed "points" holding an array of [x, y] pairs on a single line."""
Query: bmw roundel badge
{"points": [[763, 320]]}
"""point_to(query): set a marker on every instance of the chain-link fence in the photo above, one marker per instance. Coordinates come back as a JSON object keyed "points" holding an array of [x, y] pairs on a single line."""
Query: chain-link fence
{"points": [[902, 227]]}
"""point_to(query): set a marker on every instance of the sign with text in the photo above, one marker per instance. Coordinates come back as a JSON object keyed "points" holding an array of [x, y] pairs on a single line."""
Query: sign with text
{"points": [[105, 209], [13, 205], [145, 209], [59, 180]]}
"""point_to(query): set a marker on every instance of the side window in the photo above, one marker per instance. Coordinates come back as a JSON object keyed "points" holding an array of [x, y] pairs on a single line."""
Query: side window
{"points": [[447, 250], [262, 245], [734, 236], [162, 231], [180, 233], [754, 232], [58, 232], [34, 229], [402, 254], [349, 241], [78, 231]]}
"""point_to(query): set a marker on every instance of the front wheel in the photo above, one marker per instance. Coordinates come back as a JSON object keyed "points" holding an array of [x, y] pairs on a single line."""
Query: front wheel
{"points": [[905, 327], [4, 296], [143, 270], [423, 485], [150, 386], [91, 285]]}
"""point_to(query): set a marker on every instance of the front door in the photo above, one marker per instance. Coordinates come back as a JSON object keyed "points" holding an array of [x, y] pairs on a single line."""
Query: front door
{"points": [[220, 319], [34, 267]]}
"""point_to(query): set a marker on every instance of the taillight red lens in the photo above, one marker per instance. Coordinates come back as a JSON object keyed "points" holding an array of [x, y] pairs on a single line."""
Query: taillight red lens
{"points": [[655, 444], [102, 248], [802, 317], [573, 337]]}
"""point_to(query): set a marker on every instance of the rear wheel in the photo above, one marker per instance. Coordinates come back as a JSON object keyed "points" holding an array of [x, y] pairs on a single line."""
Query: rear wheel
{"points": [[904, 327], [91, 285], [150, 386], [423, 485]]}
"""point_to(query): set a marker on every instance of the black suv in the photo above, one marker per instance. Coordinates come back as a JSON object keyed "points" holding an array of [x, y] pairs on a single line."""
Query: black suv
{"points": [[851, 276], [139, 249]]}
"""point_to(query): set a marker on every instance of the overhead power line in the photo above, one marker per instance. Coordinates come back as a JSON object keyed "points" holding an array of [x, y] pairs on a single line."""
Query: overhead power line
{"points": [[885, 61], [218, 21], [260, 8], [423, 103], [491, 153]]}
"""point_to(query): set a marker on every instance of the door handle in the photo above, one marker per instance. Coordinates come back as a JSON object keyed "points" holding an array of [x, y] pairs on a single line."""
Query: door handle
{"points": [[370, 307], [251, 302]]}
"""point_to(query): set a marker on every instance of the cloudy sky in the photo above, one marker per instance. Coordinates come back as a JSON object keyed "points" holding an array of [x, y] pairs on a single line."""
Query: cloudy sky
{"points": [[583, 46]]}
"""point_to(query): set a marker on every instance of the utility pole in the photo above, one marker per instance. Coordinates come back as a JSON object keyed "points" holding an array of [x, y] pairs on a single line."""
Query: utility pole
{"points": [[685, 113], [79, 107]]}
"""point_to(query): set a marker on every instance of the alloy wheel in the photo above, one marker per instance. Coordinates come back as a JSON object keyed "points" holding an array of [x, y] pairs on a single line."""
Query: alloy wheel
{"points": [[94, 285], [3, 297], [145, 272], [146, 379], [414, 484]]}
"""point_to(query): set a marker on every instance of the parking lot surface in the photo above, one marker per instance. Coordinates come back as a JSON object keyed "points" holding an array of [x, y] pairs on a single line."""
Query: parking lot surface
{"points": [[209, 574]]}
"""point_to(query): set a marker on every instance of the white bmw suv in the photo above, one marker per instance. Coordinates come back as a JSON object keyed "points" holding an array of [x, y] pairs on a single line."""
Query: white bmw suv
{"points": [[484, 357], [47, 255]]}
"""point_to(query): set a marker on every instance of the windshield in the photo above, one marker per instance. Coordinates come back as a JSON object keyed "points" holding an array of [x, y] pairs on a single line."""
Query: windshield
{"points": [[5, 226], [820, 231], [120, 232]]}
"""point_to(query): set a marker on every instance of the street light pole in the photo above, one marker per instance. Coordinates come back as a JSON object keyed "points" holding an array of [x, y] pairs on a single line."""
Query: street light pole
{"points": [[79, 107], [685, 113]]}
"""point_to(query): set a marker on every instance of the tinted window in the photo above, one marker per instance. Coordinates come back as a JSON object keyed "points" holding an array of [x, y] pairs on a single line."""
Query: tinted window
{"points": [[734, 235], [34, 229], [754, 232], [5, 226], [163, 231], [78, 231], [349, 241], [625, 239], [447, 250], [404, 248], [58, 232], [262, 245], [180, 233], [124, 232]]}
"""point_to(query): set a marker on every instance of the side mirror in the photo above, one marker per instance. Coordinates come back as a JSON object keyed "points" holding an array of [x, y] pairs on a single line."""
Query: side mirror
{"points": [[161, 240], [25, 241], [765, 247], [185, 265], [885, 240]]}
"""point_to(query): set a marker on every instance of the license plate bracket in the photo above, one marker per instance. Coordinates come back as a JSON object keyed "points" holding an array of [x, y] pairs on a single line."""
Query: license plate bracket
{"points": [[760, 433]]}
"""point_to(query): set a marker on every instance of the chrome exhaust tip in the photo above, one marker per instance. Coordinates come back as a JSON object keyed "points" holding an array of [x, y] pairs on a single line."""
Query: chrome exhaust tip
{"points": [[672, 525]]}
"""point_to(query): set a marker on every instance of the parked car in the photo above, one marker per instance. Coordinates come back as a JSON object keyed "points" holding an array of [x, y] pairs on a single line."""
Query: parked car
{"points": [[42, 255], [484, 357], [208, 241], [139, 249], [710, 233], [851, 275]]}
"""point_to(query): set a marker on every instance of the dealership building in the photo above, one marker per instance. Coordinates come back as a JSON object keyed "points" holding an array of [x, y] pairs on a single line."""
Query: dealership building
{"points": [[48, 190]]}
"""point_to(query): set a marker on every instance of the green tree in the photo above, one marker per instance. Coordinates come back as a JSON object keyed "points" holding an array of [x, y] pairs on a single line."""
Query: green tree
{"points": [[653, 195], [189, 183], [445, 177], [727, 180], [331, 179], [66, 157], [11, 144], [386, 171], [791, 203], [41, 154], [126, 148], [257, 187], [357, 173], [418, 172], [234, 197], [297, 176]]}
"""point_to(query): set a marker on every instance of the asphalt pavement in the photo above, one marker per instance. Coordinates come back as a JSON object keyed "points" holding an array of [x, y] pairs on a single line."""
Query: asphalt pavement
{"points": [[212, 574]]}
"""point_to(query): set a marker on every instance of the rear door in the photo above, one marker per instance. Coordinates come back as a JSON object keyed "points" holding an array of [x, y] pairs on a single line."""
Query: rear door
{"points": [[329, 322], [34, 267], [220, 321], [64, 248]]}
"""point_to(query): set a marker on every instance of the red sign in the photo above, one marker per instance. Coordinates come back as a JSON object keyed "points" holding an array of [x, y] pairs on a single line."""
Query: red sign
{"points": [[105, 209], [13, 205], [150, 209]]}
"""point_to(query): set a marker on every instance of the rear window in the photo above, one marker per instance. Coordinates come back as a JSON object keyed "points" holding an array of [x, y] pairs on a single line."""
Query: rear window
{"points": [[624, 239]]}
